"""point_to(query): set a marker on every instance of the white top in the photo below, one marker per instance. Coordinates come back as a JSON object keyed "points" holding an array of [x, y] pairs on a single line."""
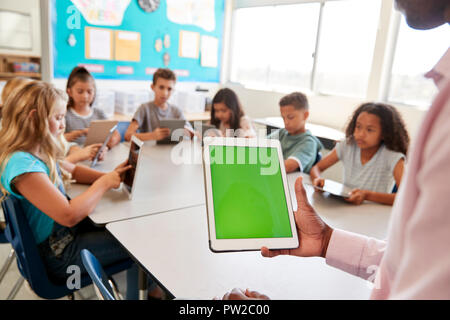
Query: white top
{"points": [[375, 175], [246, 129]]}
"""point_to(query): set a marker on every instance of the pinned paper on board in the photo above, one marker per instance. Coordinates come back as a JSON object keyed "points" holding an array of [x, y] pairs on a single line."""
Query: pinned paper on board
{"points": [[102, 12], [189, 44], [158, 45], [209, 52], [195, 12], [98, 43], [128, 46]]}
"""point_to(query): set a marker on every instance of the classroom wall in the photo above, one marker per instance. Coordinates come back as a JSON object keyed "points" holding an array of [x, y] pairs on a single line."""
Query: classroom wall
{"points": [[29, 7]]}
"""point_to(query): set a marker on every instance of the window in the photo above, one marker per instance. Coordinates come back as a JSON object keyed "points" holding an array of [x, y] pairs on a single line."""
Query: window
{"points": [[416, 53], [346, 47], [273, 46]]}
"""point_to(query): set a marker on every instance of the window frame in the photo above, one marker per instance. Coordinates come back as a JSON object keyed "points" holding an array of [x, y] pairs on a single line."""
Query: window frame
{"points": [[385, 42]]}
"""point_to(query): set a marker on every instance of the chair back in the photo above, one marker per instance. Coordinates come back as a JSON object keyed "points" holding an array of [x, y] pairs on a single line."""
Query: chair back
{"points": [[122, 127], [318, 158], [3, 238], [97, 274]]}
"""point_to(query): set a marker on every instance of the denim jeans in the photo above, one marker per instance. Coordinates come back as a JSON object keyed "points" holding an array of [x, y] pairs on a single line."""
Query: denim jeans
{"points": [[62, 249]]}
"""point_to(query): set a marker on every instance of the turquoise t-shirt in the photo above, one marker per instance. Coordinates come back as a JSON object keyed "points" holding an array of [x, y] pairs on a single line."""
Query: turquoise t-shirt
{"points": [[20, 163], [302, 147]]}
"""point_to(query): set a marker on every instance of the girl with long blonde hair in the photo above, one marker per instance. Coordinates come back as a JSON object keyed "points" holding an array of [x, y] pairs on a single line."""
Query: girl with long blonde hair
{"points": [[31, 154]]}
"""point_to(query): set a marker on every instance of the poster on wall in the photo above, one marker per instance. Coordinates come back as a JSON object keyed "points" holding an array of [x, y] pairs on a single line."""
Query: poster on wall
{"points": [[119, 39]]}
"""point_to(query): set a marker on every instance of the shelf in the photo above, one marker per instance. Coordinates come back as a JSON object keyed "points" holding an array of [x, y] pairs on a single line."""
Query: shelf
{"points": [[7, 66], [8, 75]]}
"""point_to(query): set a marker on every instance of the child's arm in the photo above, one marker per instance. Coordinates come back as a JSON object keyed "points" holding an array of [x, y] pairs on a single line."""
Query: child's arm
{"points": [[358, 196], [329, 160], [72, 135], [157, 134], [54, 204], [77, 154], [291, 165], [115, 139]]}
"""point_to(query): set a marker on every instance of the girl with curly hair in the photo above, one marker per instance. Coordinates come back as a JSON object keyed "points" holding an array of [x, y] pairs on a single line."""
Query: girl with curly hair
{"points": [[373, 154]]}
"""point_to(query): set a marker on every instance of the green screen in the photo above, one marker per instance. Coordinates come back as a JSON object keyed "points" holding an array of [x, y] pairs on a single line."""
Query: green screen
{"points": [[248, 193]]}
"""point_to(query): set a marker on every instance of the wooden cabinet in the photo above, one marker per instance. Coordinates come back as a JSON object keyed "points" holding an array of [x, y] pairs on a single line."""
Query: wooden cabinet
{"points": [[7, 66]]}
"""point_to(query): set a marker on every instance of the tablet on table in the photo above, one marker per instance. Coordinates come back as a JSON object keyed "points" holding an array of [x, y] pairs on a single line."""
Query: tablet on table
{"points": [[176, 127], [129, 183]]}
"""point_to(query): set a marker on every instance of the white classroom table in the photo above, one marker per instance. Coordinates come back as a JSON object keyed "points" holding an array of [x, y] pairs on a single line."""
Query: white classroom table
{"points": [[169, 177], [173, 248]]}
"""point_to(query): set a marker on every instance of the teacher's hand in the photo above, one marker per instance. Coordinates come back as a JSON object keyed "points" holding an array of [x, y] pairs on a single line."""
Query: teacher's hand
{"points": [[313, 233]]}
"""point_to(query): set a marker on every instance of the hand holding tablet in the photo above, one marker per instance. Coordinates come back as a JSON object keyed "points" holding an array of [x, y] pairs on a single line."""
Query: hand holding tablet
{"points": [[313, 233]]}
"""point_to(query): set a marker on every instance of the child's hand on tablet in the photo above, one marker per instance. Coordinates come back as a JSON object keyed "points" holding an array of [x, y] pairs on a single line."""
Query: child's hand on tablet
{"points": [[313, 233], [90, 151], [161, 133], [115, 177], [319, 182], [239, 294], [122, 168], [71, 136], [357, 196], [102, 155]]}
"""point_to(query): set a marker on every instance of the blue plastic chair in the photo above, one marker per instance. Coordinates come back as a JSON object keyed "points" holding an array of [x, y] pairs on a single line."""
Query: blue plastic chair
{"points": [[122, 127], [29, 261], [318, 158], [98, 276]]}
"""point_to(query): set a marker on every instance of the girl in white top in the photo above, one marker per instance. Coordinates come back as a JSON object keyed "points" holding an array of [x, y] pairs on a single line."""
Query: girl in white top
{"points": [[228, 116], [373, 154], [81, 90]]}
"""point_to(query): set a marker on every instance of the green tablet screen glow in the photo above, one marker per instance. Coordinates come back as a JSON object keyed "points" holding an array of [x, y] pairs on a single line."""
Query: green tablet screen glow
{"points": [[248, 193]]}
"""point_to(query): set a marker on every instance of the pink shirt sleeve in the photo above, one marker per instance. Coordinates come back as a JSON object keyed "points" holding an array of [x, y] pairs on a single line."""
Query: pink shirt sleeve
{"points": [[424, 269], [355, 254]]}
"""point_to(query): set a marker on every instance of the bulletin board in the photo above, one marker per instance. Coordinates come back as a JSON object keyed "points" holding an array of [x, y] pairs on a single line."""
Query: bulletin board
{"points": [[130, 39]]}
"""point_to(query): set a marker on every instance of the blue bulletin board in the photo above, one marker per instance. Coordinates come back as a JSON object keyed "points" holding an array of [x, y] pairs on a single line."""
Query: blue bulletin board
{"points": [[118, 39]]}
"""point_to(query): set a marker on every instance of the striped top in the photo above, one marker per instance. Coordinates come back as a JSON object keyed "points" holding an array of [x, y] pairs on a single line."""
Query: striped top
{"points": [[375, 175]]}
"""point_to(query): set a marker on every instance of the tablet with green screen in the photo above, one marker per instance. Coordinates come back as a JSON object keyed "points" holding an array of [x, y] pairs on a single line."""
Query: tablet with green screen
{"points": [[248, 201]]}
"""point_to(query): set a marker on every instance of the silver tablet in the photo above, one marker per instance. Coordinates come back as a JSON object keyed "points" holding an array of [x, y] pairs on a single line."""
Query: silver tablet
{"points": [[98, 131], [247, 196], [335, 188], [111, 132], [176, 127], [133, 160]]}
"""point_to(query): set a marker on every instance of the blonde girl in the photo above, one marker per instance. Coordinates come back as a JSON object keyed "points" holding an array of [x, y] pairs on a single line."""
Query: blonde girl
{"points": [[10, 87], [31, 153]]}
